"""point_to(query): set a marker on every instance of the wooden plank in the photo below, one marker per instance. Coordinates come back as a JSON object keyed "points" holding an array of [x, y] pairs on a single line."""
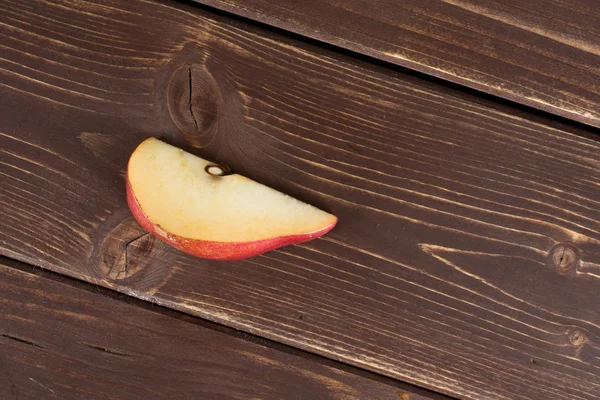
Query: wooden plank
{"points": [[467, 256], [61, 339], [542, 53]]}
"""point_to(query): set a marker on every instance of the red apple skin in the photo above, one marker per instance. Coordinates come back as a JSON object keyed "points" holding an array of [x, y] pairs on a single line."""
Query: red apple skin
{"points": [[217, 250]]}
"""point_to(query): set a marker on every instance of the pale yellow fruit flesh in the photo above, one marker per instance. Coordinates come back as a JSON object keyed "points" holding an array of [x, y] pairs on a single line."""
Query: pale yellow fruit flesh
{"points": [[175, 192]]}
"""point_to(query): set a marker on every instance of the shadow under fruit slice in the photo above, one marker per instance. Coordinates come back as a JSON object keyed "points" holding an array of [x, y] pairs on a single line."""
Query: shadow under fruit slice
{"points": [[197, 207]]}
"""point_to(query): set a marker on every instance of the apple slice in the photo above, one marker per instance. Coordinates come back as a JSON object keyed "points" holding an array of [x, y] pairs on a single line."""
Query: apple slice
{"points": [[191, 204]]}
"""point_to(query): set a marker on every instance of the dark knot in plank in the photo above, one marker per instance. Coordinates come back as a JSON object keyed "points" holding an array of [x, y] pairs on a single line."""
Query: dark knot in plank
{"points": [[128, 255], [564, 258], [195, 102], [576, 337]]}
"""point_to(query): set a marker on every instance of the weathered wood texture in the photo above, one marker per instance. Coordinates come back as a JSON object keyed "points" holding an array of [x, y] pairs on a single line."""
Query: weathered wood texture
{"points": [[542, 53], [467, 257], [62, 340]]}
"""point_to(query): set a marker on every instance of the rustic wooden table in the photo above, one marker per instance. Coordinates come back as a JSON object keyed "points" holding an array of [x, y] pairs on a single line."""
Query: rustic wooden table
{"points": [[457, 141]]}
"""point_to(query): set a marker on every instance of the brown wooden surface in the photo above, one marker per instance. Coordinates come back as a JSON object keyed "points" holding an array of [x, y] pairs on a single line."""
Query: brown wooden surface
{"points": [[61, 339], [467, 257], [542, 53]]}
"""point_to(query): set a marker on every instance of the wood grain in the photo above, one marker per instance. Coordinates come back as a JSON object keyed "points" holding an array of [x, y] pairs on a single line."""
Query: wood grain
{"points": [[467, 257], [545, 54], [64, 340]]}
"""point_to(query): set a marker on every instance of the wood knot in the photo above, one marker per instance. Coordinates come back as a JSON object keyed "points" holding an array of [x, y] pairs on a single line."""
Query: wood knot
{"points": [[564, 258], [129, 255], [576, 338], [195, 102]]}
